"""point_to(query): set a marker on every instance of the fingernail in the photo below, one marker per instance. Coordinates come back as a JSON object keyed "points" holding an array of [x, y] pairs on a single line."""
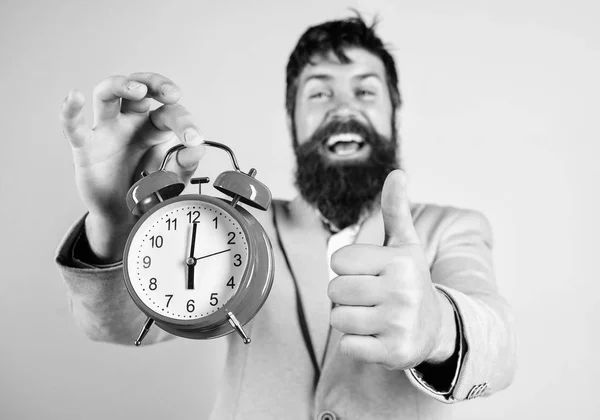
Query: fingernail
{"points": [[402, 178], [168, 88], [71, 96], [189, 157], [134, 85], [193, 138], [72, 93]]}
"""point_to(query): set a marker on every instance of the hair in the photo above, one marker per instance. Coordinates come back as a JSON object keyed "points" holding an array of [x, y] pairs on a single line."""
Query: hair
{"points": [[335, 36]]}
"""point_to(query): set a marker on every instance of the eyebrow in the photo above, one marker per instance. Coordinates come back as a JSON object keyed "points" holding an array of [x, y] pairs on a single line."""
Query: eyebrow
{"points": [[318, 76], [367, 75], [326, 77]]}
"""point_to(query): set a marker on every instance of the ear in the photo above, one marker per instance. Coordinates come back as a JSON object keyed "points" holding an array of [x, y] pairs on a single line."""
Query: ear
{"points": [[397, 116], [396, 128], [290, 125]]}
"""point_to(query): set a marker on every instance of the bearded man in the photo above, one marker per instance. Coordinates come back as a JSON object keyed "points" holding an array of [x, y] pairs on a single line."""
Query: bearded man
{"points": [[380, 308]]}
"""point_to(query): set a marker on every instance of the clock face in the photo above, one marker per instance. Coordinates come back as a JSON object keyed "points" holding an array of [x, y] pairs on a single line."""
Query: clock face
{"points": [[187, 259]]}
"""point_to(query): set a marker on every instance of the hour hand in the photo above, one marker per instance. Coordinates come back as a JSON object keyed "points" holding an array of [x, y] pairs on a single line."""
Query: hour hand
{"points": [[191, 265], [211, 255]]}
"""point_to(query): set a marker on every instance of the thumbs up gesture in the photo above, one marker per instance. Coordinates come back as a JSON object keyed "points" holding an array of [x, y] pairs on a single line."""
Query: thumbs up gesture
{"points": [[386, 305]]}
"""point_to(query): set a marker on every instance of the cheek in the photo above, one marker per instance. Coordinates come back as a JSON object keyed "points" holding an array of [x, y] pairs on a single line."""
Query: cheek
{"points": [[381, 120], [307, 123]]}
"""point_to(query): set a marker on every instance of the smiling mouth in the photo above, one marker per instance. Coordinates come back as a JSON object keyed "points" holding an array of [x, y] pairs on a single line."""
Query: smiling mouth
{"points": [[345, 144]]}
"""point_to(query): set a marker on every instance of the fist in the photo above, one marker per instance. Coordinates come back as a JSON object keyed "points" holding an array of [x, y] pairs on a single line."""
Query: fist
{"points": [[386, 304]]}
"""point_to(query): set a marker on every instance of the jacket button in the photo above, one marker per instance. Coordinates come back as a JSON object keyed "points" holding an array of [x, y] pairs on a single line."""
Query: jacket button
{"points": [[482, 389], [479, 389], [474, 392], [327, 415]]}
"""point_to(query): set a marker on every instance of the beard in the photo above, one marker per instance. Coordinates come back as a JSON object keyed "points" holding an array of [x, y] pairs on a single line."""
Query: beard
{"points": [[344, 190]]}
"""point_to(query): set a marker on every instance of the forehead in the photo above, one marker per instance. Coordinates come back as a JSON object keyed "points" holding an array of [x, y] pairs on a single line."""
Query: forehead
{"points": [[329, 66]]}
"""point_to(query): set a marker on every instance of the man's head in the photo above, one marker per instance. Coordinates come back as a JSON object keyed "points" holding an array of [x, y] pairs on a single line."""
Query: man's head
{"points": [[342, 96]]}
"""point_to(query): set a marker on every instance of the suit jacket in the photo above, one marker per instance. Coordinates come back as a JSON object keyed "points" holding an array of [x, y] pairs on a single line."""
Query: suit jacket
{"points": [[274, 377]]}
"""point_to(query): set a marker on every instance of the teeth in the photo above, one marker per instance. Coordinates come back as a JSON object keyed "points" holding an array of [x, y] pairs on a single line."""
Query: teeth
{"points": [[346, 149], [345, 138]]}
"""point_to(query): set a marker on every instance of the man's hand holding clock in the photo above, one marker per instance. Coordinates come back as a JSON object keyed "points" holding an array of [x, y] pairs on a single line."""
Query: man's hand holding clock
{"points": [[386, 304], [126, 138]]}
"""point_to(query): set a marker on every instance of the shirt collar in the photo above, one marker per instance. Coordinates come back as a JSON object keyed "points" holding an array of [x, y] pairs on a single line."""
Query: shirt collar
{"points": [[333, 229]]}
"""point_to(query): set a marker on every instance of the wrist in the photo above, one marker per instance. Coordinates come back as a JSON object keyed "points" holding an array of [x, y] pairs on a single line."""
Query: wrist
{"points": [[446, 336], [105, 238]]}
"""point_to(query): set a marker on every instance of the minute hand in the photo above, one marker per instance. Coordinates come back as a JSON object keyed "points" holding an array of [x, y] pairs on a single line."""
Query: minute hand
{"points": [[191, 261], [193, 240], [214, 253]]}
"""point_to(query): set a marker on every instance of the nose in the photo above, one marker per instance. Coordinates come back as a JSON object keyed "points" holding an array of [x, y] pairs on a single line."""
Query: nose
{"points": [[344, 112], [343, 108]]}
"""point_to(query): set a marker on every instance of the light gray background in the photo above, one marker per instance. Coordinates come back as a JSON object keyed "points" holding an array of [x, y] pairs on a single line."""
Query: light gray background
{"points": [[501, 115]]}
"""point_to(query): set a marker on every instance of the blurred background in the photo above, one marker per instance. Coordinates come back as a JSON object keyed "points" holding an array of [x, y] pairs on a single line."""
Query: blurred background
{"points": [[500, 115]]}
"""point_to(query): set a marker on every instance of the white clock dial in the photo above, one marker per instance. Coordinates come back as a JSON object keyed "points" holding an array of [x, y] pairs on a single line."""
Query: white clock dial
{"points": [[184, 276]]}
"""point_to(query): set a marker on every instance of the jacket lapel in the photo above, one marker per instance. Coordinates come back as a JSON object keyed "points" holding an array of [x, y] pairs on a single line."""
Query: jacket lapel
{"points": [[305, 241]]}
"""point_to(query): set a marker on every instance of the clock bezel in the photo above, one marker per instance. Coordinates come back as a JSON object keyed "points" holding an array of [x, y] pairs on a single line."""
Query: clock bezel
{"points": [[217, 318]]}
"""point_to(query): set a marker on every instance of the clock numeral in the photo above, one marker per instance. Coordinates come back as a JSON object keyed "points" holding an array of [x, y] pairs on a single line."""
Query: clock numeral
{"points": [[231, 238], [190, 305], [230, 283], [213, 299], [169, 299], [157, 241], [153, 284], [147, 261], [171, 223], [238, 260], [215, 220], [193, 214]]}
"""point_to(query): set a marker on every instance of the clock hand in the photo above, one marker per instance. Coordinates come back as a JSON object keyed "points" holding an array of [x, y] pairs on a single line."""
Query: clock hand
{"points": [[190, 275], [193, 239], [210, 255], [191, 261]]}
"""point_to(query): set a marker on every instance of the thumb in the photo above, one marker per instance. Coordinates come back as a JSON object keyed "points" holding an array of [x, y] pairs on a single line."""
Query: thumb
{"points": [[397, 220]]}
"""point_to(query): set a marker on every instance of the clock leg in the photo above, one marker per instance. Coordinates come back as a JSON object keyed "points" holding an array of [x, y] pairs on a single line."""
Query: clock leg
{"points": [[238, 327], [144, 331]]}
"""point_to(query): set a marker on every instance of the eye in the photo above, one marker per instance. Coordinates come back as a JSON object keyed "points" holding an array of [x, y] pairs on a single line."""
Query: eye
{"points": [[365, 93], [320, 95]]}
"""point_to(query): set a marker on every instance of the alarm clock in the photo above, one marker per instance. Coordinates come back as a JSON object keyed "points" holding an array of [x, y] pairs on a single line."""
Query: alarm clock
{"points": [[198, 266]]}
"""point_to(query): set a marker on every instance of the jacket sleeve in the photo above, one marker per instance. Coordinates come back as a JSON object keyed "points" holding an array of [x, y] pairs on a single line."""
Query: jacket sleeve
{"points": [[98, 298], [462, 268]]}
